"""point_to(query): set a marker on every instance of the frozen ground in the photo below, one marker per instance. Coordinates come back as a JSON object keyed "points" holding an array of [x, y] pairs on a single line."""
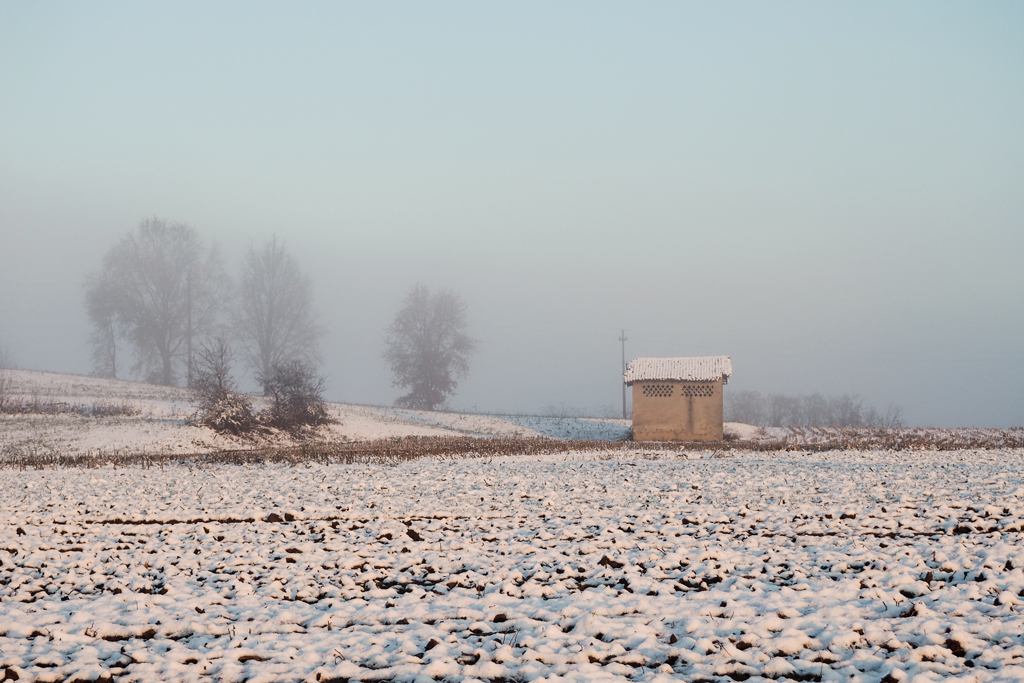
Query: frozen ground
{"points": [[846, 566], [527, 426]]}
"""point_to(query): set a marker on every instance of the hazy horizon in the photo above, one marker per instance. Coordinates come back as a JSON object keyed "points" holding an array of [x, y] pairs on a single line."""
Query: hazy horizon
{"points": [[829, 194]]}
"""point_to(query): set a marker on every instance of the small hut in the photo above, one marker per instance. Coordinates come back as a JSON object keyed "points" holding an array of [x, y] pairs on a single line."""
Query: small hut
{"points": [[678, 399]]}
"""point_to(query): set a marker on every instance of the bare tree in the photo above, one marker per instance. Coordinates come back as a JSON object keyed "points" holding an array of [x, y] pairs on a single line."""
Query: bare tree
{"points": [[745, 406], [100, 304], [847, 411], [783, 410], [428, 348], [275, 318], [893, 417], [816, 410], [159, 288], [211, 367]]}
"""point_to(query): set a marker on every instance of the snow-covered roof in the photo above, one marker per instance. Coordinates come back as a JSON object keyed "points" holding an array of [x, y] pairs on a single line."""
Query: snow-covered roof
{"points": [[699, 369]]}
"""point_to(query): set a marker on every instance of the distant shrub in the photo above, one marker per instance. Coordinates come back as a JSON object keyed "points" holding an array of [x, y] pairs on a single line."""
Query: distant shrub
{"points": [[226, 412], [218, 405], [294, 388], [296, 393]]}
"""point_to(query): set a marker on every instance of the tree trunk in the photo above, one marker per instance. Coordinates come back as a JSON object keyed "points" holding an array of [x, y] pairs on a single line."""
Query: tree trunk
{"points": [[168, 371]]}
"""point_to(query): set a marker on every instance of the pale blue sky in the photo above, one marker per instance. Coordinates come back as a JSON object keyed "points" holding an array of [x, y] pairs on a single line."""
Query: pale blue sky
{"points": [[831, 194]]}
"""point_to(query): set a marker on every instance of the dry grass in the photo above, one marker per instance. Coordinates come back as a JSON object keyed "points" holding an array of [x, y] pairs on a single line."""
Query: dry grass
{"points": [[380, 451], [895, 439], [394, 450], [44, 405]]}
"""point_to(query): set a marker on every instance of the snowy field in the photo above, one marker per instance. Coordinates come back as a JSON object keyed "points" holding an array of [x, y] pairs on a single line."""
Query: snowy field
{"points": [[847, 566], [161, 426]]}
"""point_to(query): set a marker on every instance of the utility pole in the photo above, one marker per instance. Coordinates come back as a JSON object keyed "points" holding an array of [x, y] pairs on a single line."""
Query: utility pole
{"points": [[188, 331], [623, 340]]}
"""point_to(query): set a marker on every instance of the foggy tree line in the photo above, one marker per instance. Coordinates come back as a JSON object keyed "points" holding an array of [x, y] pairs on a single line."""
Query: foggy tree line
{"points": [[161, 291], [164, 295], [776, 410]]}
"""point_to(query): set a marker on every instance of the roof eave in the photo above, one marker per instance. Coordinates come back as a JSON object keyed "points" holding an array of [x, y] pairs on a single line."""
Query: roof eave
{"points": [[631, 382]]}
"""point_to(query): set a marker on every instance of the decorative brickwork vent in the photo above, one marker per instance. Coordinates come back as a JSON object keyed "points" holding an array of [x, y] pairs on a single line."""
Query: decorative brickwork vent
{"points": [[658, 390], [698, 389]]}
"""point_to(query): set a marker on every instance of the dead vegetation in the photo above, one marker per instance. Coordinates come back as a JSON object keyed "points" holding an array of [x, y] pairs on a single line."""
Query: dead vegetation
{"points": [[395, 450], [44, 405], [895, 439]]}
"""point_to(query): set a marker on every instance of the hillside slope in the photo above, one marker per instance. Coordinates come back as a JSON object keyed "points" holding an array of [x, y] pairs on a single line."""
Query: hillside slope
{"points": [[93, 415]]}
